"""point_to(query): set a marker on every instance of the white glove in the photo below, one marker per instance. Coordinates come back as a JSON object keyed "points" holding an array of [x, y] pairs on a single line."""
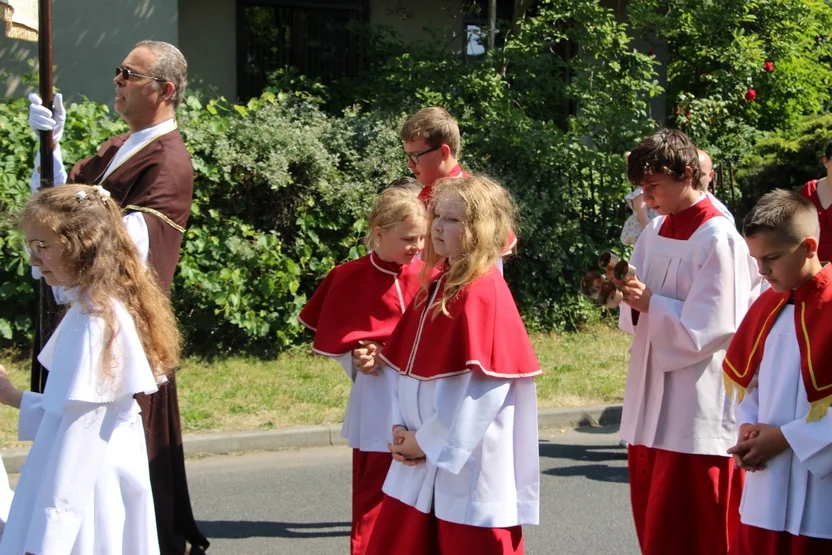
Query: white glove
{"points": [[42, 119]]}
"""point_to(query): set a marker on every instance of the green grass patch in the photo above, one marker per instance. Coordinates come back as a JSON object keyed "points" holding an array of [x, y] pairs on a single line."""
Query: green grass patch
{"points": [[303, 389]]}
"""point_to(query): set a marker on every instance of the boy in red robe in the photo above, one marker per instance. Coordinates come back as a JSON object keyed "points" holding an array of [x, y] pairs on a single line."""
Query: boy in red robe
{"points": [[430, 138], [695, 281]]}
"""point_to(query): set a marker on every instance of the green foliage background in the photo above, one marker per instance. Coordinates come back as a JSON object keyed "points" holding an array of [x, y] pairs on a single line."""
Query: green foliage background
{"points": [[283, 183]]}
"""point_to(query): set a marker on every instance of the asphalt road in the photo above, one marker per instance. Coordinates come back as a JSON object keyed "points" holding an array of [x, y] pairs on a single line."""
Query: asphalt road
{"points": [[298, 502]]}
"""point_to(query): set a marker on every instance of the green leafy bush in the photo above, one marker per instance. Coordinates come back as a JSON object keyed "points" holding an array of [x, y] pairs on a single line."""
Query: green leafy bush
{"points": [[737, 68], [88, 125], [281, 192], [786, 160], [16, 147], [545, 116]]}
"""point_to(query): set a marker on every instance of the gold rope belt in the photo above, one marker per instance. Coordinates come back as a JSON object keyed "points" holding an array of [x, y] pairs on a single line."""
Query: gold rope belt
{"points": [[164, 218]]}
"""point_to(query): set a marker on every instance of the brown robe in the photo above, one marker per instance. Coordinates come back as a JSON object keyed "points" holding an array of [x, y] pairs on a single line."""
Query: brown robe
{"points": [[159, 177]]}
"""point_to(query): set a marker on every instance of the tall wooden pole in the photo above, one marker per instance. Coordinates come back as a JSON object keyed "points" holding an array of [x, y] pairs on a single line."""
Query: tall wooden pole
{"points": [[47, 172], [492, 23], [48, 313]]}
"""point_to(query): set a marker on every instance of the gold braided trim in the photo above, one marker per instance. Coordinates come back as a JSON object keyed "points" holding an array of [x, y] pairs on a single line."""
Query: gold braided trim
{"points": [[817, 409], [164, 218], [774, 312], [734, 390], [809, 351]]}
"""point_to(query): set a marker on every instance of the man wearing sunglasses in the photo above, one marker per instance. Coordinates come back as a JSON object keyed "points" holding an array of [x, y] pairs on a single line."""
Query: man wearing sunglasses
{"points": [[148, 172]]}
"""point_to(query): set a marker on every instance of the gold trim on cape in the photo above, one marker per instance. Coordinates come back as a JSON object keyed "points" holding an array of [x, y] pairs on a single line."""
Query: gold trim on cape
{"points": [[158, 214]]}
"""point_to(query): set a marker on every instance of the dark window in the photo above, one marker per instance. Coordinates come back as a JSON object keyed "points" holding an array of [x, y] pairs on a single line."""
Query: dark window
{"points": [[309, 36]]}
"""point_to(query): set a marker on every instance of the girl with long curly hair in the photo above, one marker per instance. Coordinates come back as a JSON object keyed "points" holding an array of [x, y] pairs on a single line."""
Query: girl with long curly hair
{"points": [[85, 487]]}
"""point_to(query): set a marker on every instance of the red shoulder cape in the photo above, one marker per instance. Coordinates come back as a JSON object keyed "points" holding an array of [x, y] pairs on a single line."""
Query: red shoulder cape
{"points": [[812, 306], [810, 191], [360, 300], [483, 333]]}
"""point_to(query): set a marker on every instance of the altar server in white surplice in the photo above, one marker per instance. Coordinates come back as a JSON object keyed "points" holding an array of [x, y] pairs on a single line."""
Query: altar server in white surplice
{"points": [[85, 487], [465, 472], [778, 365], [695, 282]]}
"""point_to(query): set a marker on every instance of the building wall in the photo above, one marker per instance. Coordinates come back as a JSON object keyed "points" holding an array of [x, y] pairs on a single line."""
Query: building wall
{"points": [[420, 21], [207, 38], [90, 38], [208, 28]]}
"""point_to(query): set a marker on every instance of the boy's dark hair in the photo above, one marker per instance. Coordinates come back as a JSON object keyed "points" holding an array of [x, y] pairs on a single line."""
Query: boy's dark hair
{"points": [[405, 182], [828, 151], [666, 151], [787, 215]]}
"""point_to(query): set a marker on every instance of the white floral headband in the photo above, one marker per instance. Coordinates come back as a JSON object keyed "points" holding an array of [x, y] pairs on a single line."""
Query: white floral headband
{"points": [[100, 191]]}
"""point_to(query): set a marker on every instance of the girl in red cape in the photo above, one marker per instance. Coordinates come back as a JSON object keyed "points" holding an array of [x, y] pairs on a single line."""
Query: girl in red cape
{"points": [[359, 303], [465, 472]]}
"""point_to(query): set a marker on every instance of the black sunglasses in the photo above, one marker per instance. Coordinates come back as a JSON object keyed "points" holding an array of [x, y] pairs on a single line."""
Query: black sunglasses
{"points": [[415, 157], [127, 73]]}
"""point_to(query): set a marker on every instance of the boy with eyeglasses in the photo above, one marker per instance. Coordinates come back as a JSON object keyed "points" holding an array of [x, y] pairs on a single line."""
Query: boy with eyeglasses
{"points": [[430, 138]]}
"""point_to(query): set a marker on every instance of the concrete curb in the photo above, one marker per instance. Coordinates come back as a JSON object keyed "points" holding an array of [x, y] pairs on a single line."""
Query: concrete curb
{"points": [[222, 443]]}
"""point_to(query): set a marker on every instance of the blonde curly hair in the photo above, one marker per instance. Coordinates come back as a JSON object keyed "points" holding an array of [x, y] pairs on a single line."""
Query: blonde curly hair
{"points": [[490, 217]]}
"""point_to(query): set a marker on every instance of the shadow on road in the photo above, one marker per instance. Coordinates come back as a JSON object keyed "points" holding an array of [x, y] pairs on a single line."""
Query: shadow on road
{"points": [[595, 454], [239, 529]]}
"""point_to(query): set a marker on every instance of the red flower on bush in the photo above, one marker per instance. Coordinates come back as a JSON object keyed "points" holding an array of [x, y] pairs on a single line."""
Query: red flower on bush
{"points": [[750, 95], [651, 53], [768, 66]]}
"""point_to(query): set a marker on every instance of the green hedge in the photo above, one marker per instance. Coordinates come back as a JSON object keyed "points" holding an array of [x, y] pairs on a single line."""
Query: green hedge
{"points": [[283, 183], [281, 192], [785, 161]]}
